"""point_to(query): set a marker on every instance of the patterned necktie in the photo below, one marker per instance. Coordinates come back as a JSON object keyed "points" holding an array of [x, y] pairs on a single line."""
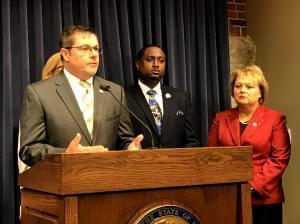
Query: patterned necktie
{"points": [[156, 111], [88, 105]]}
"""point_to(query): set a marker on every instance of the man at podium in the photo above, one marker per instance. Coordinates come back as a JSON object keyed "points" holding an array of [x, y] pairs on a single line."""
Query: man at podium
{"points": [[73, 111]]}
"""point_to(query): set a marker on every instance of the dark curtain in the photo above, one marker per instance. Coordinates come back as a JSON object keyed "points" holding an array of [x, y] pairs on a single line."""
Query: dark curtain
{"points": [[192, 32]]}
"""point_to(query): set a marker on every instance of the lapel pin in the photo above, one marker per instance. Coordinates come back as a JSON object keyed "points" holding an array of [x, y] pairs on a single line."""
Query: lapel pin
{"points": [[168, 95], [254, 124]]}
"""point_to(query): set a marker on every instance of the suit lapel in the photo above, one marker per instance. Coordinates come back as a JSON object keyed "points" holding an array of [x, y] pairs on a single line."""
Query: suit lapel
{"points": [[232, 120], [167, 103], [66, 94], [255, 122], [100, 98], [141, 100]]}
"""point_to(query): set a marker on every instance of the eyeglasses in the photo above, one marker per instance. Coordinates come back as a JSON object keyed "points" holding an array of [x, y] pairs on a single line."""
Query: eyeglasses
{"points": [[86, 49]]}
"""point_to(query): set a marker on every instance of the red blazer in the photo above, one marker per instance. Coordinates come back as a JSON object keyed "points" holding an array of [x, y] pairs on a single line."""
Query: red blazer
{"points": [[267, 134]]}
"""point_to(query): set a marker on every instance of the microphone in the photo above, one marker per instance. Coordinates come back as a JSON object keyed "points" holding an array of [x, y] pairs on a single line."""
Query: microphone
{"points": [[107, 88]]}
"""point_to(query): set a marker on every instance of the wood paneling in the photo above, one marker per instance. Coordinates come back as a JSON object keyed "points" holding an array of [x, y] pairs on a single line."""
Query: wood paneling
{"points": [[112, 187], [212, 204], [144, 169]]}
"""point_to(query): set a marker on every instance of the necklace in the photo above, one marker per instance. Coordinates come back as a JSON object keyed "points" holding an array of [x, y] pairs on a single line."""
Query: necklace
{"points": [[244, 122]]}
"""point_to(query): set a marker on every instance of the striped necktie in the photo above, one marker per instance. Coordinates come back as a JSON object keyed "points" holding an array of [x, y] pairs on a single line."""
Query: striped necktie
{"points": [[87, 105]]}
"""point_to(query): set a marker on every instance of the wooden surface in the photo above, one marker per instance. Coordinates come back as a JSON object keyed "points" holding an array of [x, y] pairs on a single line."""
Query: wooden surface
{"points": [[112, 187], [66, 174], [246, 209], [38, 207], [216, 204], [71, 210]]}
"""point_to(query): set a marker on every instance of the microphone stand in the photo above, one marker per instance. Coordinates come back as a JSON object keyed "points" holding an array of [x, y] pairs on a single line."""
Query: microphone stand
{"points": [[107, 88]]}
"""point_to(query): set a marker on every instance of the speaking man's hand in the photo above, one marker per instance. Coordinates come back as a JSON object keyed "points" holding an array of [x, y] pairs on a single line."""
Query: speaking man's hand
{"points": [[75, 146], [136, 143]]}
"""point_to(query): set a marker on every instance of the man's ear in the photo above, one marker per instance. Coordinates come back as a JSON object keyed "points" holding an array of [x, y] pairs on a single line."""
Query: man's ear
{"points": [[137, 65], [65, 54]]}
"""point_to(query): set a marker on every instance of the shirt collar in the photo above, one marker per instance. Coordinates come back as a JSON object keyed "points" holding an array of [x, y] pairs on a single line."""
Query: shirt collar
{"points": [[73, 79], [145, 88]]}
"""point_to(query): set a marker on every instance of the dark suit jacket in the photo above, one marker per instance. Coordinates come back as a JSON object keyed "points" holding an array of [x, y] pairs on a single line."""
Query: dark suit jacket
{"points": [[268, 135], [51, 118], [177, 127]]}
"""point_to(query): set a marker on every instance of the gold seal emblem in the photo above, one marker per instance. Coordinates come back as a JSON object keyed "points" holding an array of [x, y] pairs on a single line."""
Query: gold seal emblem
{"points": [[165, 212], [170, 220]]}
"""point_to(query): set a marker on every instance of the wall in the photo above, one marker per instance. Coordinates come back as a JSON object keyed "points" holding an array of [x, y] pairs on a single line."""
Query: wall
{"points": [[274, 26], [237, 17], [241, 47]]}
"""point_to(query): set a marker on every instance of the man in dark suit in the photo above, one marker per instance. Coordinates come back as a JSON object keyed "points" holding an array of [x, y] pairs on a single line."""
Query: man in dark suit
{"points": [[165, 110], [73, 104]]}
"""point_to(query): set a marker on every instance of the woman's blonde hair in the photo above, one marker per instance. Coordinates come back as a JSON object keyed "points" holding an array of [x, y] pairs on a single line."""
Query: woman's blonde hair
{"points": [[52, 65], [257, 74]]}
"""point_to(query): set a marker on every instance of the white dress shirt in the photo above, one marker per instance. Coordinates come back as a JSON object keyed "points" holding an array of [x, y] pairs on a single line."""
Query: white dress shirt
{"points": [[77, 88]]}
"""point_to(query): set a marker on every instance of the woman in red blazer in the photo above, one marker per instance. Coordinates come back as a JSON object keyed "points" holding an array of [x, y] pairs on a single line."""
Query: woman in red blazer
{"points": [[251, 123]]}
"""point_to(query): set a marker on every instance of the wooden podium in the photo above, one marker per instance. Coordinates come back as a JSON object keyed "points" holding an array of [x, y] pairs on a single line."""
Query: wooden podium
{"points": [[118, 187]]}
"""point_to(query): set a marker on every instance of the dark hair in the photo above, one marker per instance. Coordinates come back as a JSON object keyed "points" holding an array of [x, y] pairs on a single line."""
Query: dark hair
{"points": [[66, 36], [141, 52]]}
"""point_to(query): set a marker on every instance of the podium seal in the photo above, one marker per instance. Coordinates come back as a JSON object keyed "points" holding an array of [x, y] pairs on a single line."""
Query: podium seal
{"points": [[173, 213]]}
